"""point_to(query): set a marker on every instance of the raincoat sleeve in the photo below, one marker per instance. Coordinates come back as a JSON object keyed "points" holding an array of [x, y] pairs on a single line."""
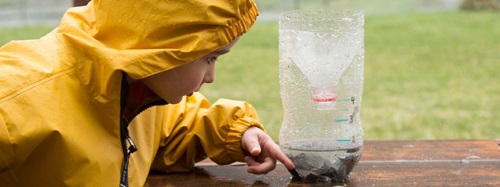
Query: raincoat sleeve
{"points": [[195, 129]]}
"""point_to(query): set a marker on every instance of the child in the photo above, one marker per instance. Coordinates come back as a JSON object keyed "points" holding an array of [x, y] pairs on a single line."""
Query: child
{"points": [[112, 93]]}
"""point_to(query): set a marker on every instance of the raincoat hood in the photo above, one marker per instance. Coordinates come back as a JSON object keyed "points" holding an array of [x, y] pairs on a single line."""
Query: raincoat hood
{"points": [[142, 38]]}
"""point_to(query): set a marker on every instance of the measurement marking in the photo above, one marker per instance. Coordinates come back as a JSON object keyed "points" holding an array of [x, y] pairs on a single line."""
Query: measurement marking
{"points": [[344, 140], [343, 100], [341, 120]]}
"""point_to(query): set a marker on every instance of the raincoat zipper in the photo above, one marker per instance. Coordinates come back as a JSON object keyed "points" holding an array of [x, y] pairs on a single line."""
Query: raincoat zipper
{"points": [[124, 132]]}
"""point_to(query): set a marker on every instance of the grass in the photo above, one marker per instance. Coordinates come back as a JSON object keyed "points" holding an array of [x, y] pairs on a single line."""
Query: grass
{"points": [[427, 76], [7, 34], [448, 74], [432, 76]]}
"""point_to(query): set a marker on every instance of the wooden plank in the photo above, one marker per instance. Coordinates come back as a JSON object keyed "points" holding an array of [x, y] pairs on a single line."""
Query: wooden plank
{"points": [[431, 150], [384, 163], [475, 173], [425, 150], [432, 173]]}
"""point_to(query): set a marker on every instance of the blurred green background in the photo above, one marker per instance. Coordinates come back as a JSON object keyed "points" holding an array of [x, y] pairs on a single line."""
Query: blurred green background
{"points": [[429, 73]]}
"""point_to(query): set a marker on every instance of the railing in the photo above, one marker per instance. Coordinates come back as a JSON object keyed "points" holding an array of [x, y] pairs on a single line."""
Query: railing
{"points": [[49, 12]]}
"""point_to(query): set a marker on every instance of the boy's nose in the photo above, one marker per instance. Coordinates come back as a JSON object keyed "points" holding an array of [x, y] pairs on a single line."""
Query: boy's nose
{"points": [[209, 77], [209, 80]]}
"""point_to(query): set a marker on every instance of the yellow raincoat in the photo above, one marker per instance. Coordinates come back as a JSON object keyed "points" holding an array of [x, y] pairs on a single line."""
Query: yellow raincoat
{"points": [[61, 96]]}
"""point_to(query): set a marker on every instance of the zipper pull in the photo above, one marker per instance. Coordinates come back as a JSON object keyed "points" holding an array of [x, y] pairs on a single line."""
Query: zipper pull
{"points": [[132, 148]]}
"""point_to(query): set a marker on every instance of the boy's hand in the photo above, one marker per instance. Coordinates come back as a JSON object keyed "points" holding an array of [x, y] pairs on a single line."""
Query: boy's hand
{"points": [[263, 152]]}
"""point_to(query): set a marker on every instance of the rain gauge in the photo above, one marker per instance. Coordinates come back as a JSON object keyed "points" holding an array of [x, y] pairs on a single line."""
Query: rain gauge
{"points": [[321, 60]]}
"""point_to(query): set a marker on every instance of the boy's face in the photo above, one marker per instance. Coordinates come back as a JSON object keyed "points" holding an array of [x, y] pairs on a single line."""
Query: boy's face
{"points": [[176, 83]]}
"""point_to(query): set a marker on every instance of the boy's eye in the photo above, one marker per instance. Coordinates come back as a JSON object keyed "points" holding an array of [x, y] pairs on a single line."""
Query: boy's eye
{"points": [[211, 60]]}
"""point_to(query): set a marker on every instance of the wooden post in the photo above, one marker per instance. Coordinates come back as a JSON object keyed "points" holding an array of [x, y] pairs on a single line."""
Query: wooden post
{"points": [[80, 2]]}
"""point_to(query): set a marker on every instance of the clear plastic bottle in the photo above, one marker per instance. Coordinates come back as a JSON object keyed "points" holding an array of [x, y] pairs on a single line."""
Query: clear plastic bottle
{"points": [[321, 84]]}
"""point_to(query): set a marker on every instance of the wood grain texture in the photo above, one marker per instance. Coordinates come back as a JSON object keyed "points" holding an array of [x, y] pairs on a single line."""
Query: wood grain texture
{"points": [[384, 163]]}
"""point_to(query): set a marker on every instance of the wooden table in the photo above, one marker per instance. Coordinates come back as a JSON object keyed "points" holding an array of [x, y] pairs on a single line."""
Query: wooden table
{"points": [[383, 163]]}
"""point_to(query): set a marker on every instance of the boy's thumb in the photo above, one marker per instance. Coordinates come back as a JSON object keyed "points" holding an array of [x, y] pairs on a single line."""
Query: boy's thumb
{"points": [[255, 151]]}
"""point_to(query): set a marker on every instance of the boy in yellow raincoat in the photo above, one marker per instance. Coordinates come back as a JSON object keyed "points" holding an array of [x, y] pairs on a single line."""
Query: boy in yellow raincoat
{"points": [[112, 93]]}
